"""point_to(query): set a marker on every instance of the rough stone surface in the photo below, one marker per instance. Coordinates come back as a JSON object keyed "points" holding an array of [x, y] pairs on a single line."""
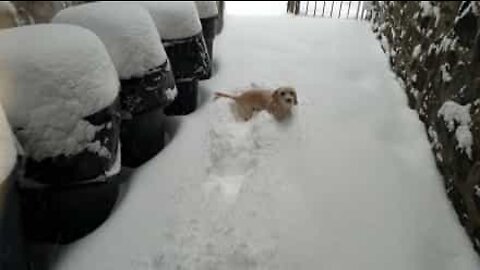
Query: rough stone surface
{"points": [[433, 48]]}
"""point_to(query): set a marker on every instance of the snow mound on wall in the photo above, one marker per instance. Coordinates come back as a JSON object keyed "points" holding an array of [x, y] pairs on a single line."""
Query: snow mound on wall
{"points": [[127, 31], [175, 20], [8, 152], [51, 77], [454, 113], [206, 9]]}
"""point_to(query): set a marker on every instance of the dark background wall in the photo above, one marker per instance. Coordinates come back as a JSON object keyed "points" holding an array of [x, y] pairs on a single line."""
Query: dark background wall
{"points": [[433, 48]]}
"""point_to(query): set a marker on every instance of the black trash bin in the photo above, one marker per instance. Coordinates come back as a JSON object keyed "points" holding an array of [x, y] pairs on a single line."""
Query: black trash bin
{"points": [[181, 33], [147, 81], [60, 91], [207, 10], [221, 16], [12, 245]]}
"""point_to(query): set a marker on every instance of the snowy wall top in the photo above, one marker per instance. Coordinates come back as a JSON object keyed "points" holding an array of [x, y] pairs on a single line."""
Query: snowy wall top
{"points": [[175, 20], [51, 77], [207, 9], [127, 31], [8, 152]]}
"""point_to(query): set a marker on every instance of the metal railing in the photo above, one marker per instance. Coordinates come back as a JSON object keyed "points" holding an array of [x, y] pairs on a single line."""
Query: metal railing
{"points": [[358, 10]]}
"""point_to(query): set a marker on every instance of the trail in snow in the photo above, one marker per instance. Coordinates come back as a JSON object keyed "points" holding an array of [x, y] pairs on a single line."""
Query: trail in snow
{"points": [[348, 183]]}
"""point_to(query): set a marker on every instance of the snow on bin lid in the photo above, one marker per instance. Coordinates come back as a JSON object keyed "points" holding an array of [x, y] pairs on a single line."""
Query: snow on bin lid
{"points": [[207, 9], [52, 76], [175, 20], [8, 152], [7, 15], [127, 31]]}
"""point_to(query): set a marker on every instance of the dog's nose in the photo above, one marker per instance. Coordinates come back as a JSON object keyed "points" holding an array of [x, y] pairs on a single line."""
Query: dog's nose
{"points": [[289, 100]]}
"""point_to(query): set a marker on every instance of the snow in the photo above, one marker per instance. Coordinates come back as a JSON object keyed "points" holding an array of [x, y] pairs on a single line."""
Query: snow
{"points": [[446, 77], [171, 93], [207, 9], [174, 20], [465, 139], [348, 183], [8, 152], [117, 165], [467, 10], [416, 51], [127, 31], [256, 8], [51, 77], [427, 8], [447, 44], [454, 113]]}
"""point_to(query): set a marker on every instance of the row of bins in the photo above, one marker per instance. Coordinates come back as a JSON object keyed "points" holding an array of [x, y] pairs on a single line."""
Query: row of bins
{"points": [[87, 95]]}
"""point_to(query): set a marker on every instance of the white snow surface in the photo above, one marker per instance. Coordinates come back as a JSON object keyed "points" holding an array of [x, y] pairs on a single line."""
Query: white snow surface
{"points": [[174, 20], [128, 32], [52, 76], [206, 9], [8, 152], [348, 183]]}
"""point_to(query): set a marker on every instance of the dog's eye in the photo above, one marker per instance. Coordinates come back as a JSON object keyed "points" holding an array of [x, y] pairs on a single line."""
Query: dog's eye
{"points": [[282, 94]]}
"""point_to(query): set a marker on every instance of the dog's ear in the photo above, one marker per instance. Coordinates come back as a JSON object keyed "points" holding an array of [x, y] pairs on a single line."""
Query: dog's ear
{"points": [[276, 93], [295, 100]]}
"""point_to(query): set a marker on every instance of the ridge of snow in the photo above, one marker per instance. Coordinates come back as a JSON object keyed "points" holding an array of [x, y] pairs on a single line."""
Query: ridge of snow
{"points": [[454, 113]]}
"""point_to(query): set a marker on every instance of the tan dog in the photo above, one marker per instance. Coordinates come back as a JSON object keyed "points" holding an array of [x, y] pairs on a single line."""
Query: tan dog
{"points": [[279, 102]]}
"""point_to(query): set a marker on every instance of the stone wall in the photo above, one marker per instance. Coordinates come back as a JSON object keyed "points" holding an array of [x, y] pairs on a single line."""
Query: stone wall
{"points": [[433, 48]]}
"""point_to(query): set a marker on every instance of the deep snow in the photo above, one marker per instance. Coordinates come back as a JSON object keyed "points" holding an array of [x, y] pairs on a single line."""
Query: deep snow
{"points": [[127, 30], [174, 19], [51, 77], [348, 183], [206, 9]]}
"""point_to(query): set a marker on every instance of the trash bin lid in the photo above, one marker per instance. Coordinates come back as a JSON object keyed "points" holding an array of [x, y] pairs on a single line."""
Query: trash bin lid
{"points": [[207, 9], [175, 20], [51, 77], [127, 30]]}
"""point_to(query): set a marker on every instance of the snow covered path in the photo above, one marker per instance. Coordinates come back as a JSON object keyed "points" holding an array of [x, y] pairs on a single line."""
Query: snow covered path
{"points": [[348, 183]]}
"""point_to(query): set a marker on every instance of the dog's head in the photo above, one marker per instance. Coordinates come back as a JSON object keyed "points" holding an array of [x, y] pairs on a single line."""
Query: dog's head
{"points": [[286, 96]]}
